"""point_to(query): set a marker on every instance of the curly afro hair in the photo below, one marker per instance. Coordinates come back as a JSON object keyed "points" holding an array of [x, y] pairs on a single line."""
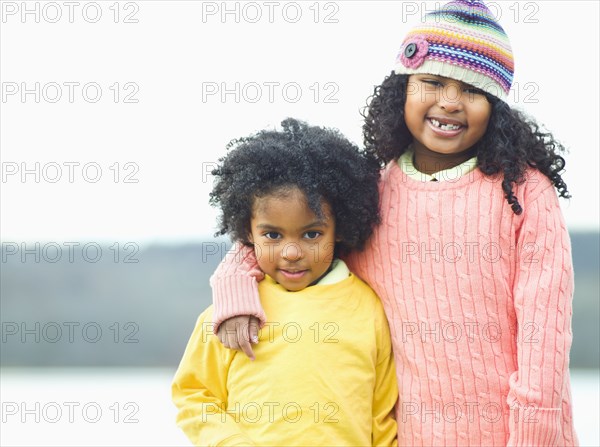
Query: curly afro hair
{"points": [[320, 162], [512, 142]]}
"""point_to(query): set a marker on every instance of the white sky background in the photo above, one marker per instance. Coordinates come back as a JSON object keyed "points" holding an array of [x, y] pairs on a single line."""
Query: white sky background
{"points": [[178, 51]]}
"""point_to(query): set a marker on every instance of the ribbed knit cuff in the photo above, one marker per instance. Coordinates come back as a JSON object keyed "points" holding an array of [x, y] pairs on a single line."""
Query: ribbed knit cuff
{"points": [[234, 296], [452, 71], [531, 426]]}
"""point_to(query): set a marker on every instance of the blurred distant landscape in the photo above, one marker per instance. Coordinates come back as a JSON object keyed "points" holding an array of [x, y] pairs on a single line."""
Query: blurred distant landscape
{"points": [[117, 312]]}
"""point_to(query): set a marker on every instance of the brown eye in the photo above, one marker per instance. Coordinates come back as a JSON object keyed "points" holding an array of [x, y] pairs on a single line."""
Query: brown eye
{"points": [[312, 234], [431, 84], [474, 91]]}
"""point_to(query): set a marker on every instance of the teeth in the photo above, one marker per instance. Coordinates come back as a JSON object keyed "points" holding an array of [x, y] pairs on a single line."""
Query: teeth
{"points": [[436, 123]]}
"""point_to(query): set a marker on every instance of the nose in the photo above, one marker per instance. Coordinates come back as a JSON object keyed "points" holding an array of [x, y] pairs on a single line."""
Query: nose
{"points": [[451, 98], [292, 252]]}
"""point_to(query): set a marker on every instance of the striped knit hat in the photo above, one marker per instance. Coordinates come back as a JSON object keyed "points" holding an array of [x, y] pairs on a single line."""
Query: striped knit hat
{"points": [[462, 41]]}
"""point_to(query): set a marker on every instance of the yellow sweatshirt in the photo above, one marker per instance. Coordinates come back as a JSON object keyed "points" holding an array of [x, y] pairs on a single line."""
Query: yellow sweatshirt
{"points": [[323, 375]]}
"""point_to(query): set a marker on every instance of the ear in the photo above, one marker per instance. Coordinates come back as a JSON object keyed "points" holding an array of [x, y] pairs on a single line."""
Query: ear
{"points": [[250, 238]]}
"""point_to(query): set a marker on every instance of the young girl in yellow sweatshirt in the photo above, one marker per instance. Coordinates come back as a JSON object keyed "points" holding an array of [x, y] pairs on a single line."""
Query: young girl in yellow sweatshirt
{"points": [[324, 372]]}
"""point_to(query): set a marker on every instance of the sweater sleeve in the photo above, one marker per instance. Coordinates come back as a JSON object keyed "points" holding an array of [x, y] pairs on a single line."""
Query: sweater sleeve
{"points": [[542, 291], [235, 286], [385, 394], [199, 390]]}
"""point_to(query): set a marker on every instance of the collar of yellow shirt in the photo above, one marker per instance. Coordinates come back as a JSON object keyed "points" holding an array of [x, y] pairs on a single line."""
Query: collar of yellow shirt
{"points": [[339, 272]]}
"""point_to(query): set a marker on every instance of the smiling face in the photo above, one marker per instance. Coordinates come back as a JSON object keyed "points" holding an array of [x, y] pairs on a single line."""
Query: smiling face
{"points": [[443, 115], [293, 246]]}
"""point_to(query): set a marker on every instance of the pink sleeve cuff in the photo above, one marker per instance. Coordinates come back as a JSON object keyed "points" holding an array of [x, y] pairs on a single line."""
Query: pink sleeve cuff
{"points": [[531, 426], [234, 296]]}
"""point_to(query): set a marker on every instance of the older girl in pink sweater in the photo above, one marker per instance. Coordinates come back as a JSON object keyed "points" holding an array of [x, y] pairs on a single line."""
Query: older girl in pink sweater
{"points": [[472, 260]]}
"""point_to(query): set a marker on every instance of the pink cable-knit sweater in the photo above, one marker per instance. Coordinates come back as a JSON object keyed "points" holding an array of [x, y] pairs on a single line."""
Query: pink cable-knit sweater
{"points": [[479, 305]]}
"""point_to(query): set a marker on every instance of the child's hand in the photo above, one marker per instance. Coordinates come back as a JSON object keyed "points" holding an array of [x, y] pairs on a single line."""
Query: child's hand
{"points": [[238, 332]]}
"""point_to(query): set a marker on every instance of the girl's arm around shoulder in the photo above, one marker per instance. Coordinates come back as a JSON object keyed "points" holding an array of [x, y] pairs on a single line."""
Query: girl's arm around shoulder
{"points": [[234, 285], [238, 312]]}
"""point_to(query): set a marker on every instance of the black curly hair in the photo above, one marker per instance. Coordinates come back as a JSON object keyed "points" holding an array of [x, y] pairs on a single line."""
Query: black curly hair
{"points": [[512, 140], [320, 162]]}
